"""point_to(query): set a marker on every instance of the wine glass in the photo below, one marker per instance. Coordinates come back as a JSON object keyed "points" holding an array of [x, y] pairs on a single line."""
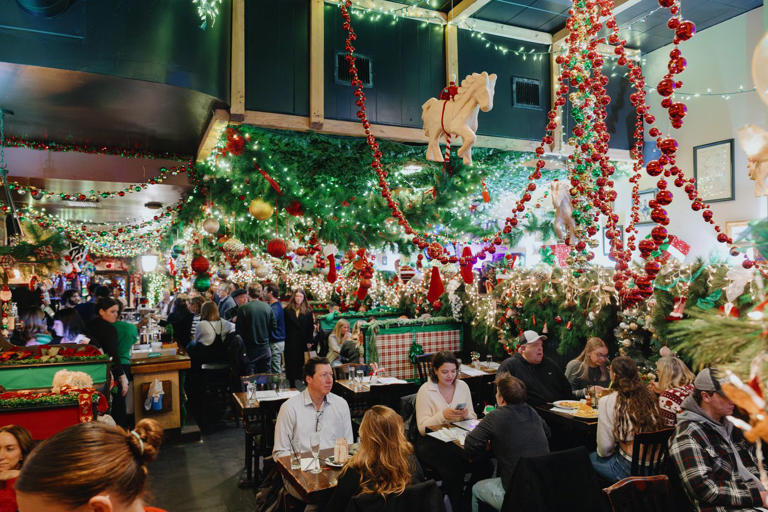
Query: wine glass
{"points": [[314, 446]]}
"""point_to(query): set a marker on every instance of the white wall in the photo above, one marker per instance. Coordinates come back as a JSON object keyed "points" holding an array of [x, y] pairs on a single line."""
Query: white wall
{"points": [[719, 58]]}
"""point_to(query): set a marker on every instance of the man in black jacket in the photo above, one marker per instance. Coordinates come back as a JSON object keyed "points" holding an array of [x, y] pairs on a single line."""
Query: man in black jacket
{"points": [[513, 430], [544, 380]]}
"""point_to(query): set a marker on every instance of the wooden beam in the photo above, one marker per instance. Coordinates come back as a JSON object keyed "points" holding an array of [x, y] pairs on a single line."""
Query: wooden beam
{"points": [[451, 54], [465, 9], [508, 31], [237, 77], [216, 126], [316, 67], [619, 7], [402, 10]]}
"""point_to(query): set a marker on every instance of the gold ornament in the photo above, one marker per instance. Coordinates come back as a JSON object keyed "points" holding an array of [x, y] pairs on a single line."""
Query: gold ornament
{"points": [[260, 209], [211, 225]]}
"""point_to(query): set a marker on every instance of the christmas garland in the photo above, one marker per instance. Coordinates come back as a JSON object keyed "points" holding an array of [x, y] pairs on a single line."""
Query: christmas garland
{"points": [[19, 356], [20, 142]]}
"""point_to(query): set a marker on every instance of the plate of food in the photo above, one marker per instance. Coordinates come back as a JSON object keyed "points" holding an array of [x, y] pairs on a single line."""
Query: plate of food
{"points": [[567, 404], [331, 462], [585, 411]]}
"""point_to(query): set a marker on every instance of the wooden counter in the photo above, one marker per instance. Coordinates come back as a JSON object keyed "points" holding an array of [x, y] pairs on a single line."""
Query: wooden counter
{"points": [[166, 369]]}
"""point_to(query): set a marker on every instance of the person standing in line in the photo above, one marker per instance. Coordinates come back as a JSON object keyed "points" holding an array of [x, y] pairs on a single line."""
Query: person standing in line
{"points": [[255, 320], [277, 334], [299, 327]]}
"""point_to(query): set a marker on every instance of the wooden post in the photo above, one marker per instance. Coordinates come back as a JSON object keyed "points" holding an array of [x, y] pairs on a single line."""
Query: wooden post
{"points": [[216, 126], [237, 77], [451, 54], [316, 67]]}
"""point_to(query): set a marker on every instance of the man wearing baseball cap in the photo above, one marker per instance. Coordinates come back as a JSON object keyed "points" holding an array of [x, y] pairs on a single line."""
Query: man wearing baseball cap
{"points": [[544, 380], [716, 464]]}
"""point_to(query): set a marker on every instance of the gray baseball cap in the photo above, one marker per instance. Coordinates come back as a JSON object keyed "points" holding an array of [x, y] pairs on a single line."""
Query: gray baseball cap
{"points": [[707, 381]]}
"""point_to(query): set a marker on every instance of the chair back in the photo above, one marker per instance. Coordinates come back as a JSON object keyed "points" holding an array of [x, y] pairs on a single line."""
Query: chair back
{"points": [[649, 452], [262, 381], [423, 496], [423, 364], [347, 370], [640, 494]]}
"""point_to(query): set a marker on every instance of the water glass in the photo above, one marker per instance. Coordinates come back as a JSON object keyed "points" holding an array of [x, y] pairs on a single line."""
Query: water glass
{"points": [[489, 359], [359, 375], [295, 460], [250, 392], [314, 446]]}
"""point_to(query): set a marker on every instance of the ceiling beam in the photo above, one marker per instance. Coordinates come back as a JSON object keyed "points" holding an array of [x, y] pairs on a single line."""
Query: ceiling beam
{"points": [[465, 9], [402, 10], [216, 126], [619, 7], [508, 31]]}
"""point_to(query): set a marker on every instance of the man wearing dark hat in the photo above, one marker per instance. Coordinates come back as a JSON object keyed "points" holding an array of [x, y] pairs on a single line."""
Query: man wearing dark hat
{"points": [[544, 380], [240, 297], [716, 464]]}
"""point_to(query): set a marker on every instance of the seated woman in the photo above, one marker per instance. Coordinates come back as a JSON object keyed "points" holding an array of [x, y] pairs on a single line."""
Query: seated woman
{"points": [[15, 444], [674, 385], [589, 369], [336, 339], [384, 465], [440, 400], [208, 343], [34, 330], [49, 482], [68, 327], [352, 349], [629, 410]]}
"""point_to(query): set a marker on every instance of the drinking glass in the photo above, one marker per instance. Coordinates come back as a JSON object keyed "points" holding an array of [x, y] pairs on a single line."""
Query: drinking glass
{"points": [[489, 359], [359, 375], [314, 446], [295, 460]]}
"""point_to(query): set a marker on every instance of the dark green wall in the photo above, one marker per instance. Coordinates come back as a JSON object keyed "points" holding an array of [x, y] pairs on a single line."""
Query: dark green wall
{"points": [[277, 56], [153, 40], [408, 68], [476, 55]]}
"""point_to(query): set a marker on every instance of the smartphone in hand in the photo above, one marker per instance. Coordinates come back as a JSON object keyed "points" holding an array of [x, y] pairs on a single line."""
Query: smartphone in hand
{"points": [[461, 406]]}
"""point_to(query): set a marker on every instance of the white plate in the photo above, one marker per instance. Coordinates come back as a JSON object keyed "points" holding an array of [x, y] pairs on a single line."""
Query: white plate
{"points": [[329, 461], [566, 404]]}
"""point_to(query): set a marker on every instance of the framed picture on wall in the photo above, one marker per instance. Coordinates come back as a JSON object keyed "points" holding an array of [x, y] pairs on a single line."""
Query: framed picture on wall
{"points": [[713, 171], [644, 213], [736, 229], [607, 243]]}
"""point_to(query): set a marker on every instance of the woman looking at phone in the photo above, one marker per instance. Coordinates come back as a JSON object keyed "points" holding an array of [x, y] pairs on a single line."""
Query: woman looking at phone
{"points": [[443, 399]]}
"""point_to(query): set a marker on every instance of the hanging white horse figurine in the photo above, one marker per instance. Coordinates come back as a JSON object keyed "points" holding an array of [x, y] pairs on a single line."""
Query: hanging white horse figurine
{"points": [[458, 116]]}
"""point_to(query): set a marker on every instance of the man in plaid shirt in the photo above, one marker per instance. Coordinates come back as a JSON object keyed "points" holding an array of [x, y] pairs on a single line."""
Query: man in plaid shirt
{"points": [[716, 464]]}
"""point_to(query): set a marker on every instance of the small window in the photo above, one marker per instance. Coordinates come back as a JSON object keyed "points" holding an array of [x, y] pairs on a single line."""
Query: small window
{"points": [[364, 70], [526, 93]]}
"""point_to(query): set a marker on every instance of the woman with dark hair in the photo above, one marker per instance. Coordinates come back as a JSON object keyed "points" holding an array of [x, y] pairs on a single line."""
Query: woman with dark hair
{"points": [[68, 326], [589, 369], [90, 466], [299, 329], [34, 330], [443, 399], [384, 465], [15, 444], [631, 409], [103, 334], [181, 319]]}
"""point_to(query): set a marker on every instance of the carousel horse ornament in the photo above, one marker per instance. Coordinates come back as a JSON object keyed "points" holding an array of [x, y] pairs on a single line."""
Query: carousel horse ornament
{"points": [[754, 142], [564, 225], [457, 115]]}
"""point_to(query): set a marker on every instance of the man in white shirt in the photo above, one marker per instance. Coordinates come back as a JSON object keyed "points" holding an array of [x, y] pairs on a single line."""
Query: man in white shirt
{"points": [[315, 409]]}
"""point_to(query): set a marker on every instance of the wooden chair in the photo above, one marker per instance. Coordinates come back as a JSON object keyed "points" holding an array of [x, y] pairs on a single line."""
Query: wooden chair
{"points": [[649, 452], [640, 494], [423, 366]]}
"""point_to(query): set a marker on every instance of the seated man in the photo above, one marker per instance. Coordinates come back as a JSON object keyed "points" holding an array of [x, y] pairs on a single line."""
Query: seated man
{"points": [[716, 464], [544, 381], [513, 430], [315, 409]]}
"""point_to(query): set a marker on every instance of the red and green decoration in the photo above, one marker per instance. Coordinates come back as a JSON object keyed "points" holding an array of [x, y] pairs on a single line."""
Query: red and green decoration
{"points": [[48, 355], [200, 267]]}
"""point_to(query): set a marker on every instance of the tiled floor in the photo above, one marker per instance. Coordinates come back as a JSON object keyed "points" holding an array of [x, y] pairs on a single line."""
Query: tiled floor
{"points": [[202, 476]]}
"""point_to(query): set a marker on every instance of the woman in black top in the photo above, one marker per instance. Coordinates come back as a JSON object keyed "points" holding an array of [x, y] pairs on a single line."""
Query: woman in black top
{"points": [[299, 328], [384, 466], [103, 335]]}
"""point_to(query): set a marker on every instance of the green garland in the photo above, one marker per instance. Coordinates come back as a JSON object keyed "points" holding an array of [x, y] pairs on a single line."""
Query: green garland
{"points": [[43, 401], [330, 178], [53, 360]]}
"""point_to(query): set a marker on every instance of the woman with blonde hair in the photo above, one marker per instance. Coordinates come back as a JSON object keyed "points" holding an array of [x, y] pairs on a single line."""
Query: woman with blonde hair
{"points": [[674, 386], [336, 339], [589, 369], [384, 465], [208, 346], [630, 410], [90, 466]]}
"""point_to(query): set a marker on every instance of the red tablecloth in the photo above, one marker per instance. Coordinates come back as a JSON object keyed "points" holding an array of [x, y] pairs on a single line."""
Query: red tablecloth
{"points": [[44, 422]]}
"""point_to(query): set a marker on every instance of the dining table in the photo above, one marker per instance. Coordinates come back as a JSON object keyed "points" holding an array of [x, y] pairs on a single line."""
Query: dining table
{"points": [[567, 430], [361, 396], [311, 487]]}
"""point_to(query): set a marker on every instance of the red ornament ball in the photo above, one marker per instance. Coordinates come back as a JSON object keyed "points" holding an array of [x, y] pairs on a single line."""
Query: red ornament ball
{"points": [[200, 264], [277, 248]]}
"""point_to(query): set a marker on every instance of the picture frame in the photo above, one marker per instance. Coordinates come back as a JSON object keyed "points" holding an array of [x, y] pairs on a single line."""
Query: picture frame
{"points": [[607, 243], [713, 171], [734, 229], [644, 212]]}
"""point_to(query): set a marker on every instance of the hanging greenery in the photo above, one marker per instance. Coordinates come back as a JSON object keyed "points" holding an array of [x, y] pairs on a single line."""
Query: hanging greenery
{"points": [[325, 183]]}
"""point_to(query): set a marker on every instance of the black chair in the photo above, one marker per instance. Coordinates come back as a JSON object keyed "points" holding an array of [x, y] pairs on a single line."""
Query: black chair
{"points": [[424, 497], [408, 413], [423, 366], [640, 494], [649, 452], [559, 481]]}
